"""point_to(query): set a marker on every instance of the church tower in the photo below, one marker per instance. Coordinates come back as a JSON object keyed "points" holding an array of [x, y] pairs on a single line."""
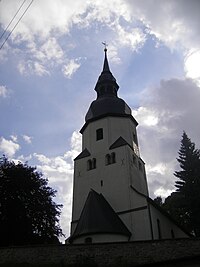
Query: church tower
{"points": [[110, 193]]}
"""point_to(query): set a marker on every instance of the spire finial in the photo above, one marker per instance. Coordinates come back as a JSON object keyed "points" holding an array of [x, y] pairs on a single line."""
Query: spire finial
{"points": [[105, 65], [105, 46]]}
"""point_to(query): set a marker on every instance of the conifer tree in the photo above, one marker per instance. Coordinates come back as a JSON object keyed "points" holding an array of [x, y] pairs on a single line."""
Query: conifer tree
{"points": [[184, 204]]}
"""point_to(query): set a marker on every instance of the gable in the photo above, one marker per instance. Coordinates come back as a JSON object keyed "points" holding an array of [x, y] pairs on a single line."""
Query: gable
{"points": [[119, 142], [85, 153], [99, 217]]}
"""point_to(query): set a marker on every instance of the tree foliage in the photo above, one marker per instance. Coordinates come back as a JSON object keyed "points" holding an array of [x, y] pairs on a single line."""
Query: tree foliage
{"points": [[158, 201], [184, 204], [28, 214]]}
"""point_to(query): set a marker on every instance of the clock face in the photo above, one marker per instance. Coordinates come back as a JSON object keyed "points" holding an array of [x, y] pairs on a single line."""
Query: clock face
{"points": [[136, 149]]}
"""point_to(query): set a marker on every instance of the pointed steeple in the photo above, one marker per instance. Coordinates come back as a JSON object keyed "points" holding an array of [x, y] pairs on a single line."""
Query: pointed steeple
{"points": [[106, 84], [106, 65], [107, 101]]}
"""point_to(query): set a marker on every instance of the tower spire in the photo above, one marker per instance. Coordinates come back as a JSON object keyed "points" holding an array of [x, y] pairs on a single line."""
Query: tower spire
{"points": [[105, 65], [106, 84]]}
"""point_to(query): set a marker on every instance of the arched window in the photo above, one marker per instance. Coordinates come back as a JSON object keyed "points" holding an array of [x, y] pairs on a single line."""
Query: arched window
{"points": [[110, 158]]}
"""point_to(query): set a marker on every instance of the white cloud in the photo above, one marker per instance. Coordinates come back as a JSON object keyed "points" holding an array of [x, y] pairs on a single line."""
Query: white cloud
{"points": [[8, 147], [176, 23], [14, 138], [27, 139], [173, 22], [42, 158], [39, 69], [57, 16], [162, 192], [71, 68], [52, 50], [134, 38], [174, 107], [32, 67], [192, 65], [3, 91], [146, 116], [59, 171], [159, 168]]}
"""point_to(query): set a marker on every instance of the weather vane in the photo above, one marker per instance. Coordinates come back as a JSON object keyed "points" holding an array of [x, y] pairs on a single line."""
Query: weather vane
{"points": [[105, 46]]}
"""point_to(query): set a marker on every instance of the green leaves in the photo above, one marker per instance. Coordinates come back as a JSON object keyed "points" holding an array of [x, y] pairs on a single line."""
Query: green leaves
{"points": [[28, 214]]}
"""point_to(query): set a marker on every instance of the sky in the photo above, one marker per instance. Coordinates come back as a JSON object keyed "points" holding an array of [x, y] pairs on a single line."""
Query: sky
{"points": [[50, 64]]}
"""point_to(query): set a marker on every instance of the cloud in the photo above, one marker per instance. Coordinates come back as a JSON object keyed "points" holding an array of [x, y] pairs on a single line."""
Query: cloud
{"points": [[32, 67], [14, 138], [165, 112], [59, 171], [3, 91], [39, 32], [8, 147], [192, 65], [133, 38], [27, 139], [173, 22], [71, 68], [57, 17]]}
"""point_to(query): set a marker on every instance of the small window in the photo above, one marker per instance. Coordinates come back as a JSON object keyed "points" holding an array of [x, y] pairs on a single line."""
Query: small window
{"points": [[101, 183], [88, 240], [110, 158], [113, 160], [94, 163], [99, 134], [91, 164]]}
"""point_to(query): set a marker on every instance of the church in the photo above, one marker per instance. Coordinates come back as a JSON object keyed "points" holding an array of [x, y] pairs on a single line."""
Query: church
{"points": [[111, 202]]}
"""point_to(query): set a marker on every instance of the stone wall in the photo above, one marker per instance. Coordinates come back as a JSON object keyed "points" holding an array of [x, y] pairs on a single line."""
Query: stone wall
{"points": [[127, 254]]}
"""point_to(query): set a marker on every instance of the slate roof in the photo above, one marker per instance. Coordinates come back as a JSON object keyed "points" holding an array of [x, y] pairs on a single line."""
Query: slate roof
{"points": [[107, 101], [119, 142], [85, 153], [98, 217]]}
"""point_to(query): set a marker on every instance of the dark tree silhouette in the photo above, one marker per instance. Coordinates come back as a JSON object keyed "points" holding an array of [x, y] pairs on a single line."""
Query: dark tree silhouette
{"points": [[184, 204], [28, 214], [158, 201]]}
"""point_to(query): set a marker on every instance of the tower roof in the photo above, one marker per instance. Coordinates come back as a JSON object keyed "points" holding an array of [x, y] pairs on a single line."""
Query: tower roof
{"points": [[98, 217], [107, 101]]}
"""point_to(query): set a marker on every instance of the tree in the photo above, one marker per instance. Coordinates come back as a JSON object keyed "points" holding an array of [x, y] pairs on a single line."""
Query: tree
{"points": [[158, 201], [28, 214], [184, 204]]}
